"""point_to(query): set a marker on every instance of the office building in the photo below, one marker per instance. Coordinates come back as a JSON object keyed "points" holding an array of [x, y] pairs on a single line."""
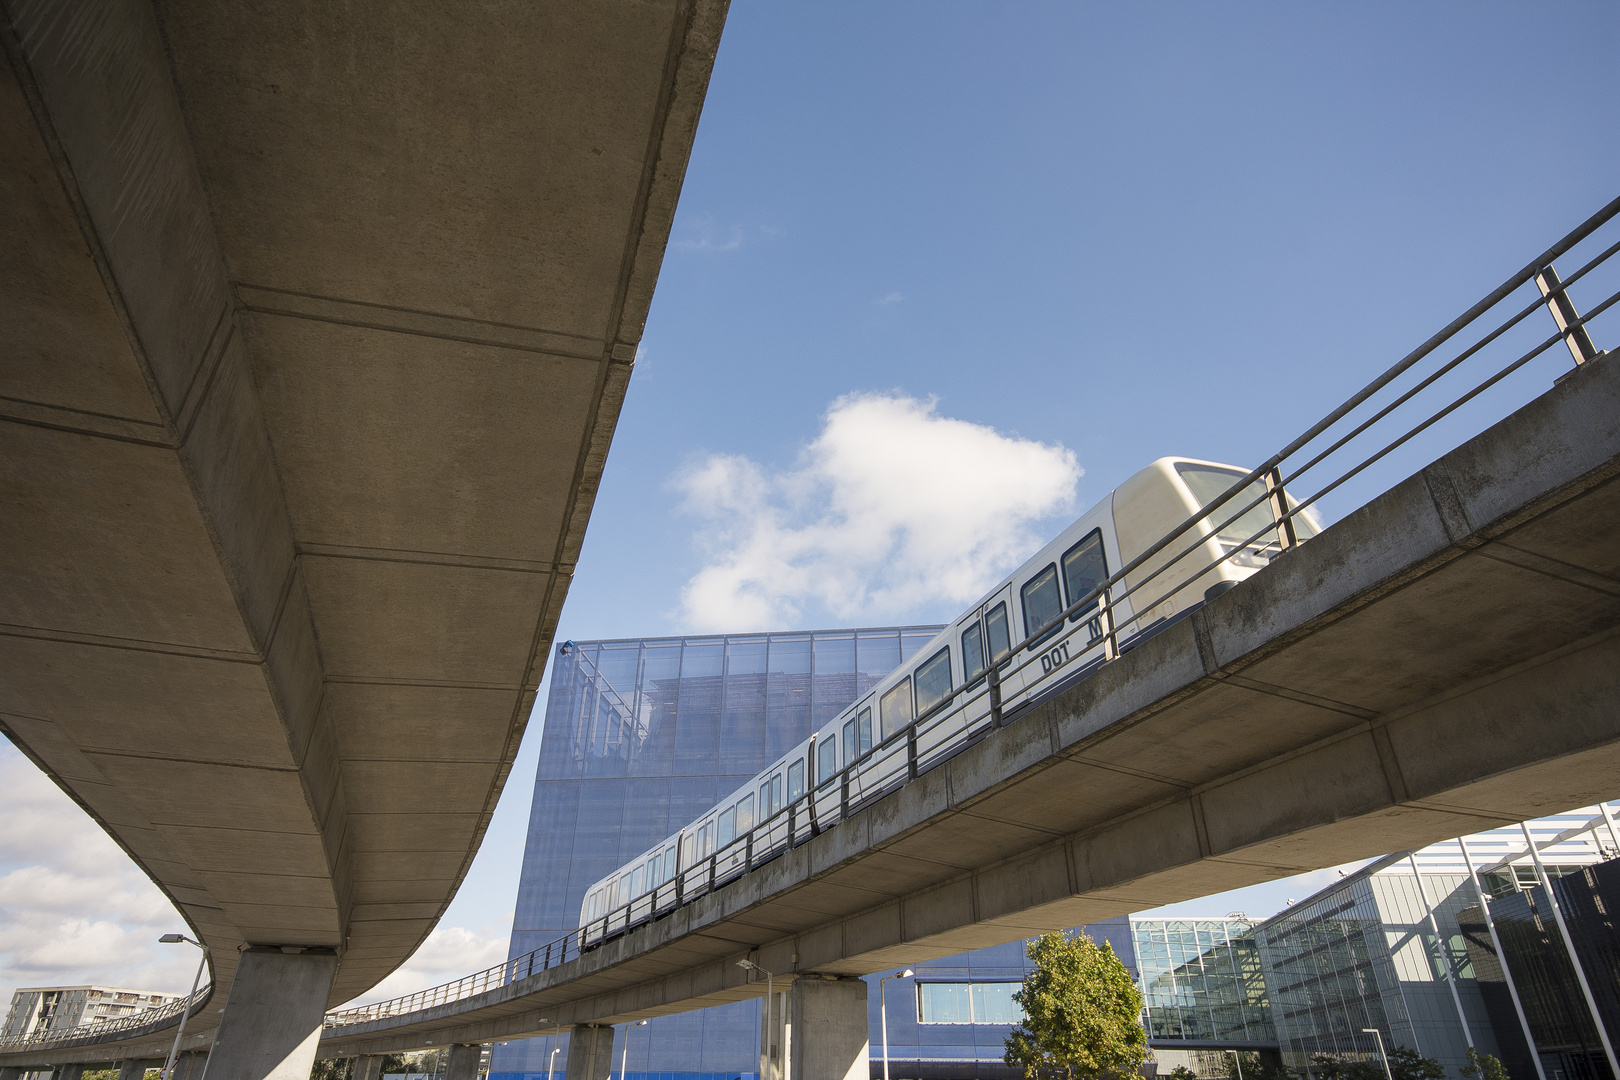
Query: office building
{"points": [[1361, 953], [39, 1009], [1556, 1008], [1203, 992], [640, 737]]}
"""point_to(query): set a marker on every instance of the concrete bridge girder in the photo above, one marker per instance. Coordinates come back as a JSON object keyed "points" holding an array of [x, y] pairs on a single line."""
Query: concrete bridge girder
{"points": [[1444, 660], [317, 336]]}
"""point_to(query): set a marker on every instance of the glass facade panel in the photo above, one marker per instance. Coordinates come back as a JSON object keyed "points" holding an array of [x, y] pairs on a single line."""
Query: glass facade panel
{"points": [[642, 737], [1201, 980]]}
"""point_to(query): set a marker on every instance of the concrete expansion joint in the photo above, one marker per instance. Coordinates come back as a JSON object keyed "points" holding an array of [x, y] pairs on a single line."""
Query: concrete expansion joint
{"points": [[1448, 505]]}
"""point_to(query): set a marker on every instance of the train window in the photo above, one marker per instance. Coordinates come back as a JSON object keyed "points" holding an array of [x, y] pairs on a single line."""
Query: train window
{"points": [[972, 653], [636, 877], [745, 813], [1084, 568], [669, 862], [895, 707], [996, 633], [728, 825], [1042, 603], [795, 779], [770, 797], [826, 760], [934, 681], [1207, 484], [689, 848], [863, 730], [850, 751]]}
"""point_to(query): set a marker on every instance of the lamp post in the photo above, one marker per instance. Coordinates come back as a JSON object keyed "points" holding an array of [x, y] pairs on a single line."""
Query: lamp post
{"points": [[770, 998], [185, 1006], [624, 1055], [883, 1014], [1375, 1033], [551, 1064], [1238, 1061]]}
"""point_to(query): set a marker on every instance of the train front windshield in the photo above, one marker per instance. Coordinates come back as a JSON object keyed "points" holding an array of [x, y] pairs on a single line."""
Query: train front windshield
{"points": [[1208, 484]]}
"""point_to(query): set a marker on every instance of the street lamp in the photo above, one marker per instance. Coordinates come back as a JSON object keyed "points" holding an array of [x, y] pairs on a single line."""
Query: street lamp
{"points": [[1375, 1033], [625, 1056], [1239, 1062], [551, 1065], [185, 1006], [765, 1050], [883, 1015]]}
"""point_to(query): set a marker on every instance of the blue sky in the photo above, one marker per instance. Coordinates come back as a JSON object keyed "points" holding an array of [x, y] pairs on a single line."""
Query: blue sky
{"points": [[1073, 237]]}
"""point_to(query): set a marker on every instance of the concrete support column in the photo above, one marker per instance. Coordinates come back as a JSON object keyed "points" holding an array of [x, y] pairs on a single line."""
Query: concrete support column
{"points": [[829, 1030], [11, 1072], [135, 1068], [67, 1072], [463, 1063], [272, 1020], [590, 1052], [368, 1067]]}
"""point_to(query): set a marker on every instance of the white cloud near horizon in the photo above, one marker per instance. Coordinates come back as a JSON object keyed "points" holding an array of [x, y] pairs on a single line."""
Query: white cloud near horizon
{"points": [[74, 908], [448, 954], [892, 508]]}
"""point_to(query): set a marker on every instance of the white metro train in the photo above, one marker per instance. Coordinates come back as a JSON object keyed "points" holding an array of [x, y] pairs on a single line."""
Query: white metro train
{"points": [[940, 699]]}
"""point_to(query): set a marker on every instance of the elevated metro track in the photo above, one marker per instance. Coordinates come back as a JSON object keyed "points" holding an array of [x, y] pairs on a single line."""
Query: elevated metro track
{"points": [[318, 321], [1445, 659]]}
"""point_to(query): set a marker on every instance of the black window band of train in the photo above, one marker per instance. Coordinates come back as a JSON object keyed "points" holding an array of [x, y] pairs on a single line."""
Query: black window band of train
{"points": [[1052, 622]]}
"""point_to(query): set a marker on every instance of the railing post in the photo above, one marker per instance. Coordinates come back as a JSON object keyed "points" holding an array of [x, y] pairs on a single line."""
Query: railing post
{"points": [[994, 680], [712, 859], [911, 752], [793, 825], [680, 887], [843, 794], [1565, 316], [1286, 537], [748, 852], [815, 818], [1105, 615]]}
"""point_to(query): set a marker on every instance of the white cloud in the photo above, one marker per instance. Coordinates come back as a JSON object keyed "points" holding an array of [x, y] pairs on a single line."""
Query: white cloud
{"points": [[892, 510], [449, 953], [706, 235], [889, 299], [73, 907]]}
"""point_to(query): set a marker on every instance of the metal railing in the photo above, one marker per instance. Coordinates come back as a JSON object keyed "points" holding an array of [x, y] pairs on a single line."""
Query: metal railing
{"points": [[1105, 623], [108, 1030]]}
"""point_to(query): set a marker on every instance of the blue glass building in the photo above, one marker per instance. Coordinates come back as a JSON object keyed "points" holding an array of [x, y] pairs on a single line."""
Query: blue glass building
{"points": [[642, 736]]}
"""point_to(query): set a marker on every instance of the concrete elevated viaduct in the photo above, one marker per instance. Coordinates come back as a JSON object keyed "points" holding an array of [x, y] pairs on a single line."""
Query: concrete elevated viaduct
{"points": [[318, 318], [1446, 659]]}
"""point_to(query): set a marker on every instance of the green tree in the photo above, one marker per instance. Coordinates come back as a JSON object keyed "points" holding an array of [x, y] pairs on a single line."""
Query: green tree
{"points": [[1181, 1072], [1483, 1067], [1332, 1067], [1255, 1068], [332, 1069], [1082, 1014], [1407, 1064]]}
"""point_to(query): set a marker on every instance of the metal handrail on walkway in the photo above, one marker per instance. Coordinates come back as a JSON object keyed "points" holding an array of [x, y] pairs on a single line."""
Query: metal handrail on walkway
{"points": [[1105, 616], [107, 1030]]}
